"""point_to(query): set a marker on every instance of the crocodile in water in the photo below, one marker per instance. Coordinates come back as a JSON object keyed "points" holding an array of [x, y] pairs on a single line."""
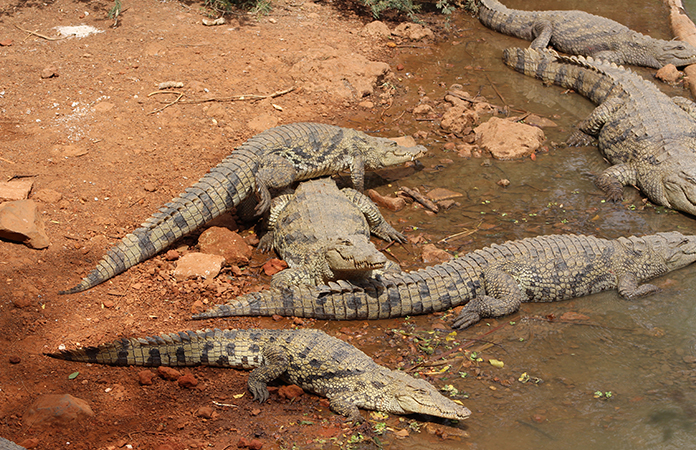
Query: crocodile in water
{"points": [[649, 137], [323, 233], [311, 359], [581, 33], [490, 282], [272, 159]]}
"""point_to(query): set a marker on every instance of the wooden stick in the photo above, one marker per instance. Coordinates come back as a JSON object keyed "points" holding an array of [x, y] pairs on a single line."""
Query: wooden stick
{"points": [[237, 98], [181, 94], [40, 35], [420, 198]]}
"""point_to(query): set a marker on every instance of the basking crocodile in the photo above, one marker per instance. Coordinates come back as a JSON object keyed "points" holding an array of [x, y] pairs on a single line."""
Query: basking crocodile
{"points": [[649, 137], [273, 159], [323, 233], [311, 359], [581, 33], [9, 445], [490, 282]]}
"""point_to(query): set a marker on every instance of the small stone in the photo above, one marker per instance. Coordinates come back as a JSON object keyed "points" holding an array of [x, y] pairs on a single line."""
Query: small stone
{"points": [[508, 140], [399, 67], [21, 300], [15, 189], [15, 359], [291, 391], [150, 186], [56, 408], [201, 265], [439, 194], [401, 434], [205, 412], [30, 443], [108, 303], [146, 377], [273, 266], [391, 203], [20, 221], [255, 412], [197, 307], [413, 31], [49, 72], [668, 74], [276, 317], [226, 243], [376, 29], [242, 443], [449, 146], [366, 104], [458, 119], [47, 196], [187, 381], [504, 182], [297, 321], [171, 255], [422, 109], [168, 373], [434, 255], [255, 444]]}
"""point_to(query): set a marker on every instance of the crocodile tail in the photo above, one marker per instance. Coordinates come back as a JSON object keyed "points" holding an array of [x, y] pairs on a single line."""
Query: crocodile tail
{"points": [[215, 193], [588, 76], [185, 348]]}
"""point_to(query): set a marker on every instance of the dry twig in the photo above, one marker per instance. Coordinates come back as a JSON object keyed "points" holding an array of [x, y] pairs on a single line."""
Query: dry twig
{"points": [[39, 35]]}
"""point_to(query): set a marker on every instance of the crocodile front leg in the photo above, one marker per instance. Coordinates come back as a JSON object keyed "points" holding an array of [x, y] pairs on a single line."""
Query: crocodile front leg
{"points": [[630, 289], [542, 32], [503, 296], [612, 181], [344, 404], [276, 363], [589, 128], [276, 172]]}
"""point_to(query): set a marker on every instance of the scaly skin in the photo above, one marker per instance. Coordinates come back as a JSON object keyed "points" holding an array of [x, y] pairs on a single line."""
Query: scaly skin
{"points": [[273, 159], [581, 33], [311, 359], [323, 233], [649, 137], [9, 445], [490, 282]]}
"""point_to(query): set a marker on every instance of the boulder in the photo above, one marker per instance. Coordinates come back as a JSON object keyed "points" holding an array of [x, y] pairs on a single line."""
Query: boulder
{"points": [[15, 189], [508, 140], [376, 29], [20, 221], [56, 409]]}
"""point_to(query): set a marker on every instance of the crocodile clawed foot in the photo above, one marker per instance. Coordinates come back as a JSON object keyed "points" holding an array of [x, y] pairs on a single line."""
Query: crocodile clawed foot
{"points": [[580, 139], [466, 318], [259, 392]]}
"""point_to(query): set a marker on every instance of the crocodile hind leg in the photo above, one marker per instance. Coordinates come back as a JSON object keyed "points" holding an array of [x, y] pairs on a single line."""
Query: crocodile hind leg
{"points": [[343, 404], [687, 105], [612, 181], [630, 289], [542, 32], [276, 172], [503, 296], [276, 362], [589, 128]]}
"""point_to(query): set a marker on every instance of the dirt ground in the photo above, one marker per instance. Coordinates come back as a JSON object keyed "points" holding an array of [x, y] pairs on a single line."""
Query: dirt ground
{"points": [[76, 117]]}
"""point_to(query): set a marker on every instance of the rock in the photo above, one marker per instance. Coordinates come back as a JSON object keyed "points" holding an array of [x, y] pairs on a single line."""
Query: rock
{"points": [[366, 104], [273, 266], [48, 196], [391, 203], [168, 373], [226, 243], [668, 74], [457, 119], [422, 109], [20, 221], [30, 443], [291, 391], [439, 194], [15, 359], [172, 255], [205, 412], [21, 299], [538, 121], [187, 381], [376, 29], [434, 255], [146, 377], [255, 444], [413, 31], [201, 265], [465, 150], [49, 72], [103, 106], [56, 409], [508, 140], [198, 307], [15, 189]]}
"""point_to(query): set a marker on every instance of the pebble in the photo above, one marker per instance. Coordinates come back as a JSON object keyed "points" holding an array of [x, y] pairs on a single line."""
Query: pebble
{"points": [[205, 412], [290, 391], [391, 203], [15, 359], [168, 373], [171, 255], [49, 72], [273, 266], [201, 265], [30, 443], [187, 381], [433, 255], [146, 377], [668, 74]]}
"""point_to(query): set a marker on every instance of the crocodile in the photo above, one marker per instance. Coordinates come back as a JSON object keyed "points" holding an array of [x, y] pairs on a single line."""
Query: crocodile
{"points": [[647, 136], [272, 159], [323, 233], [9, 445], [489, 282], [581, 33], [309, 358]]}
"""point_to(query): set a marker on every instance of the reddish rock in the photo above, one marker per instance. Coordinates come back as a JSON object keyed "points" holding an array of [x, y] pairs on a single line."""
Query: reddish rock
{"points": [[226, 243], [187, 381], [255, 444], [457, 119], [439, 194], [434, 255], [197, 307], [168, 373], [20, 221], [291, 391], [47, 196], [508, 140], [668, 74], [21, 299], [422, 109], [49, 72], [171, 255], [15, 359], [376, 29], [146, 377], [15, 189], [413, 31], [273, 266], [56, 409], [205, 412], [391, 203], [201, 265], [30, 443]]}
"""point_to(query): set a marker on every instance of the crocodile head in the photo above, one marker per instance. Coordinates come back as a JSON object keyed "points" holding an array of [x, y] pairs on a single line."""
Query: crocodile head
{"points": [[680, 190], [382, 152], [676, 249], [674, 52], [404, 394], [354, 253]]}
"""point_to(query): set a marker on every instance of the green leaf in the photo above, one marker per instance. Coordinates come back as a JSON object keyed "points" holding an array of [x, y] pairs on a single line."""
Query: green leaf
{"points": [[73, 375]]}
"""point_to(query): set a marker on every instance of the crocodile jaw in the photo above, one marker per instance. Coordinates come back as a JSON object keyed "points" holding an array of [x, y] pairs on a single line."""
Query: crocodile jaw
{"points": [[678, 250], [385, 152], [675, 52], [354, 254], [414, 396]]}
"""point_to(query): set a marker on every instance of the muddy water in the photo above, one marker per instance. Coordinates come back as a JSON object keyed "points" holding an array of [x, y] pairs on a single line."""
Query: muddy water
{"points": [[640, 352]]}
